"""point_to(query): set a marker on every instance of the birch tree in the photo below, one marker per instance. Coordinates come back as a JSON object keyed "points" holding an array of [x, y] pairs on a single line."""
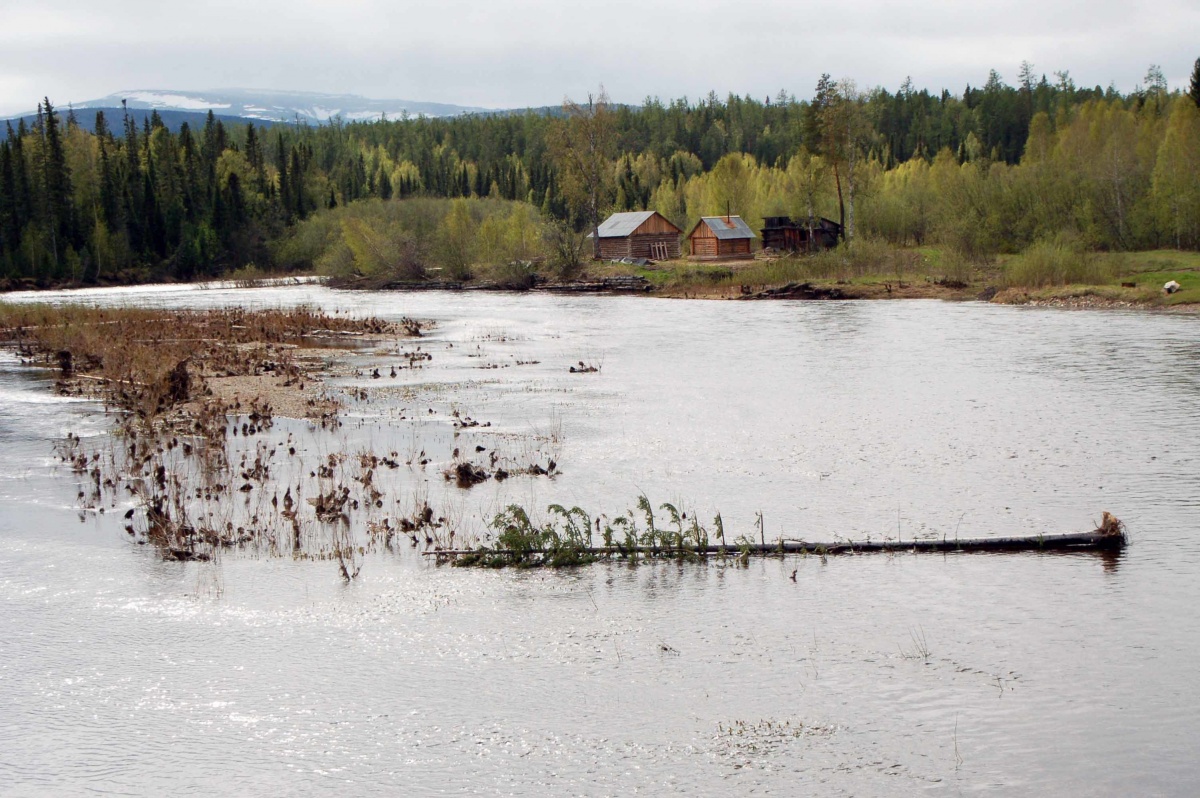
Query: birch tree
{"points": [[583, 145]]}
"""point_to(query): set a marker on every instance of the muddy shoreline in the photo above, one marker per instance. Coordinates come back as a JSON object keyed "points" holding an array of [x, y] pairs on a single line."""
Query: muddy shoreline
{"points": [[818, 291], [1079, 298]]}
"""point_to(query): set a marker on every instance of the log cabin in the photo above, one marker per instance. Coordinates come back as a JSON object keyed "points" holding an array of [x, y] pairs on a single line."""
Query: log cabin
{"points": [[719, 237], [800, 235], [639, 234]]}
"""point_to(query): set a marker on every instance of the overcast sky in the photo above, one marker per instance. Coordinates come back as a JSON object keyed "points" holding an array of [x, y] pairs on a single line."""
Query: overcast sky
{"points": [[517, 53]]}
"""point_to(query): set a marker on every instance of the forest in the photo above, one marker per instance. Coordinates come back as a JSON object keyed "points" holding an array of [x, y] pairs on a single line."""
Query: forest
{"points": [[999, 168]]}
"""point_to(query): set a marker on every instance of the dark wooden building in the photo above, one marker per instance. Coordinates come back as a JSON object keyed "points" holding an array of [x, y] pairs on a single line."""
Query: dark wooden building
{"points": [[639, 234], [717, 237], [800, 235]]}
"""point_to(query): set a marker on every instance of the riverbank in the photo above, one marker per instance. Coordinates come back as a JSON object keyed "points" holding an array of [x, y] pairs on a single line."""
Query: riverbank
{"points": [[1130, 280], [869, 272]]}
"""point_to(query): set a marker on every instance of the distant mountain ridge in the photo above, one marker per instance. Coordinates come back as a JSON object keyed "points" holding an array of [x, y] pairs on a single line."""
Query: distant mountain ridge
{"points": [[275, 106], [86, 117]]}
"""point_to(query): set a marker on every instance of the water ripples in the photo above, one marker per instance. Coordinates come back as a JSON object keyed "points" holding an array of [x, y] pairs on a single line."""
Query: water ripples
{"points": [[863, 675]]}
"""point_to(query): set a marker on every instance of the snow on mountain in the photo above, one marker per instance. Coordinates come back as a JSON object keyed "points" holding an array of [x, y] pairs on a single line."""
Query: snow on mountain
{"points": [[277, 106], [174, 102]]}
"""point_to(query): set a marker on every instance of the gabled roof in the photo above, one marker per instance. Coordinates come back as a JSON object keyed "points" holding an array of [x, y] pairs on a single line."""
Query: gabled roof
{"points": [[620, 225], [726, 227]]}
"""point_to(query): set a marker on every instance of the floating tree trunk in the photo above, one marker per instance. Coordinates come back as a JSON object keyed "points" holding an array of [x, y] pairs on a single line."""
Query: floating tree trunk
{"points": [[1109, 536]]}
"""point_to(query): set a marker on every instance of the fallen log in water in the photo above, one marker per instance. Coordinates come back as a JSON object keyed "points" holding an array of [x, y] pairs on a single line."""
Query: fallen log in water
{"points": [[1109, 536]]}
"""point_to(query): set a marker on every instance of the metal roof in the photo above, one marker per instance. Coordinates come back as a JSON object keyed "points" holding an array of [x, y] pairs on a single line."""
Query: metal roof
{"points": [[620, 225], [727, 230]]}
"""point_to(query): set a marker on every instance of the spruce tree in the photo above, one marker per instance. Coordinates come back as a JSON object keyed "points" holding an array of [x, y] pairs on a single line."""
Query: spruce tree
{"points": [[56, 183], [281, 165], [10, 231], [1194, 89], [255, 156], [23, 198], [109, 193], [131, 194], [192, 185], [296, 184]]}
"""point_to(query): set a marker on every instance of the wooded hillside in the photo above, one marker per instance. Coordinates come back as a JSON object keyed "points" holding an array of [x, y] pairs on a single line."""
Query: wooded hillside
{"points": [[993, 169]]}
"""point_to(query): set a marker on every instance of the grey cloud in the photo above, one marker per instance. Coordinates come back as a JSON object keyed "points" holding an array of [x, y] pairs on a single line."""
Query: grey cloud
{"points": [[515, 53]]}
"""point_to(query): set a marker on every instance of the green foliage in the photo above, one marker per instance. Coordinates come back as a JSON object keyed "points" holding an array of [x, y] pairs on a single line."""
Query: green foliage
{"points": [[992, 170], [566, 538], [517, 275], [650, 536], [1194, 84], [566, 248], [1175, 187], [563, 541], [1059, 262], [405, 239]]}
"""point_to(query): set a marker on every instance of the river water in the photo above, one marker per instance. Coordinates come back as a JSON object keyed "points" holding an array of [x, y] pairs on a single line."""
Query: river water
{"points": [[862, 675]]}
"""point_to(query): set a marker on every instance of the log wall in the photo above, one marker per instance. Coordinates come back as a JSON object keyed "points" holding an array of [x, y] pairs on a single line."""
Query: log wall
{"points": [[613, 248], [640, 246], [704, 247], [733, 247], [643, 246]]}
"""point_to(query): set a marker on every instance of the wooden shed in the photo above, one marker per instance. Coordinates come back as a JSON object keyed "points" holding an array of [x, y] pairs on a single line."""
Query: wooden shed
{"points": [[638, 234], [800, 235], [716, 237]]}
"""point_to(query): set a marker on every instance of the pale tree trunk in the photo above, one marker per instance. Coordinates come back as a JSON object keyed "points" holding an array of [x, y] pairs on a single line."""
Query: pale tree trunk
{"points": [[851, 230], [837, 179], [811, 218], [594, 211]]}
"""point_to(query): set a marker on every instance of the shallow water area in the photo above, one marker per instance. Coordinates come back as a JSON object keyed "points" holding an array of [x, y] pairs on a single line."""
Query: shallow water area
{"points": [[862, 675]]}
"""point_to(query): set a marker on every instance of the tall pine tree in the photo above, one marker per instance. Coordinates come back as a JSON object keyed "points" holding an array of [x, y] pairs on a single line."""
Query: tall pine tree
{"points": [[56, 184], [1194, 89]]}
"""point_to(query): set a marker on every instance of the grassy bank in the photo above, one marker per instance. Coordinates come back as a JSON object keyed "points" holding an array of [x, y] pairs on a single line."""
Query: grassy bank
{"points": [[1052, 273], [865, 271], [871, 271], [1116, 278]]}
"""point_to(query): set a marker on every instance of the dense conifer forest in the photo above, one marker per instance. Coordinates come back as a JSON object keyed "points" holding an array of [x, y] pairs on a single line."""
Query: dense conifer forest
{"points": [[996, 168]]}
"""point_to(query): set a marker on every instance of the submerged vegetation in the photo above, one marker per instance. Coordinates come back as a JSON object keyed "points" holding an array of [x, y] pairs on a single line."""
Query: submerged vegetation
{"points": [[197, 395], [225, 434]]}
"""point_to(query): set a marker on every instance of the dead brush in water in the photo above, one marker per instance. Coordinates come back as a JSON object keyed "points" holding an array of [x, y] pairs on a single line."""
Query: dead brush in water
{"points": [[1110, 525], [146, 362], [172, 448]]}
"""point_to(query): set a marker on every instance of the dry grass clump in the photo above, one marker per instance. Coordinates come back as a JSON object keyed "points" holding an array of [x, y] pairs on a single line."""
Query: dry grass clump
{"points": [[1110, 525]]}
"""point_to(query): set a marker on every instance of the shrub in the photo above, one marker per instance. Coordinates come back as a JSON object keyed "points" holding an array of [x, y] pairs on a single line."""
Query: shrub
{"points": [[402, 239], [1057, 262]]}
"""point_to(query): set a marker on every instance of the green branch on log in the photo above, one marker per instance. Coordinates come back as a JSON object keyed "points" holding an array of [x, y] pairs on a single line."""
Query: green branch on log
{"points": [[567, 540]]}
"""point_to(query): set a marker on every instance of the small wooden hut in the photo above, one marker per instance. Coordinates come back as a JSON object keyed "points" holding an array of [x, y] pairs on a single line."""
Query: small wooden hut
{"points": [[786, 234], [638, 234], [718, 237]]}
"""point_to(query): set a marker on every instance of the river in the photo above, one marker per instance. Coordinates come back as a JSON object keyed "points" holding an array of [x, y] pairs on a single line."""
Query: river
{"points": [[860, 675]]}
